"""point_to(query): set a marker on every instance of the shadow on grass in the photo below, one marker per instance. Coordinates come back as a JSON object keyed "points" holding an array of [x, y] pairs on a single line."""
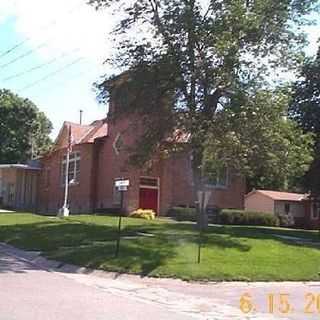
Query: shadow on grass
{"points": [[233, 234], [93, 245], [49, 236], [144, 246], [308, 239], [134, 257], [89, 245]]}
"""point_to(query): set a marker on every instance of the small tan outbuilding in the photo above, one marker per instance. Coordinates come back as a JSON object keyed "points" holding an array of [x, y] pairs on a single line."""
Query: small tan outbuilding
{"points": [[279, 203], [18, 186]]}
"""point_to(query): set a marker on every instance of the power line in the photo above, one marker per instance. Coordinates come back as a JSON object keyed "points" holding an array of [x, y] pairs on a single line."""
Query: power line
{"points": [[51, 74], [27, 53], [74, 76], [14, 47], [40, 66], [49, 25]]}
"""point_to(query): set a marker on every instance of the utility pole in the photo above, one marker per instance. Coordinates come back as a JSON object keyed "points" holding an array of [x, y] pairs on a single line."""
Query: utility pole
{"points": [[64, 211], [81, 112]]}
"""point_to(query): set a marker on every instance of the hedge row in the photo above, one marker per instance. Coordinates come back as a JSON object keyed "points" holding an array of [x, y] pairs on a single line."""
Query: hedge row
{"points": [[183, 214], [228, 216], [251, 218]]}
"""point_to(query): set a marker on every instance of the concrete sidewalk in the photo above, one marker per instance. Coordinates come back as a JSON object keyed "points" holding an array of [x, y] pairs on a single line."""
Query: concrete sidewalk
{"points": [[176, 298]]}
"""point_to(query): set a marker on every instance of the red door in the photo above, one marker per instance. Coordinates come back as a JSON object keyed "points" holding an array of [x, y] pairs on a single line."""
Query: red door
{"points": [[148, 199]]}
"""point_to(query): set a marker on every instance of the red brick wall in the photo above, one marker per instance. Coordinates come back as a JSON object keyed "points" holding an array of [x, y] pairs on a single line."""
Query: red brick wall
{"points": [[177, 187], [112, 166], [101, 165], [174, 173], [50, 196]]}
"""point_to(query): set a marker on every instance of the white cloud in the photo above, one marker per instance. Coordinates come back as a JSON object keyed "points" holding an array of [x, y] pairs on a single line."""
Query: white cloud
{"points": [[62, 25], [78, 25], [6, 9], [68, 25]]}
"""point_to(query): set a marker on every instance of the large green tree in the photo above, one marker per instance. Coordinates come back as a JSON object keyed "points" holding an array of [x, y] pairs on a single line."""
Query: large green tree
{"points": [[24, 130], [189, 59], [256, 138], [305, 110]]}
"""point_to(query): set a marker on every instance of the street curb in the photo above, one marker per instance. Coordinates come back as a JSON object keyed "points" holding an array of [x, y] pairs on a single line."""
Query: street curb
{"points": [[34, 258]]}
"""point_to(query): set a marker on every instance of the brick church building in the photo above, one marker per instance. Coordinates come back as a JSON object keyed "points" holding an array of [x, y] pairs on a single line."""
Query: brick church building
{"points": [[99, 158]]}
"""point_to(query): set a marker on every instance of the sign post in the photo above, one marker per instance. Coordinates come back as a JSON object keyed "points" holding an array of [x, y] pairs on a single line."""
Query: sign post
{"points": [[203, 200], [122, 186]]}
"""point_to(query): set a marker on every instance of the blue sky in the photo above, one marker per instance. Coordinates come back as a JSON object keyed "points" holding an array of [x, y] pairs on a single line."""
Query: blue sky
{"points": [[61, 34]]}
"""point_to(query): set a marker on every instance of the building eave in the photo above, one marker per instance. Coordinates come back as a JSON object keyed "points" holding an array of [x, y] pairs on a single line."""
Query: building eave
{"points": [[19, 166]]}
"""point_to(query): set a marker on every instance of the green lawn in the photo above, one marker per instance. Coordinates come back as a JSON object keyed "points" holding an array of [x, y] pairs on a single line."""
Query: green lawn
{"points": [[165, 248]]}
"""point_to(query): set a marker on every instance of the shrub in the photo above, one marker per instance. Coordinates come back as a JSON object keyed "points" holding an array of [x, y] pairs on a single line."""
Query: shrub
{"points": [[227, 216], [286, 220], [147, 214], [183, 214], [241, 217]]}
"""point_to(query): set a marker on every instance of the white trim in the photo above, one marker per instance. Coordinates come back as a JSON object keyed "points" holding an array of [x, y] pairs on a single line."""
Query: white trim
{"points": [[114, 144], [77, 157], [220, 186], [18, 166], [148, 186]]}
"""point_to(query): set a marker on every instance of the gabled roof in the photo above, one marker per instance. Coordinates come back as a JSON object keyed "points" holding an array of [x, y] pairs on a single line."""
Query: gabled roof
{"points": [[280, 196], [81, 133], [98, 129]]}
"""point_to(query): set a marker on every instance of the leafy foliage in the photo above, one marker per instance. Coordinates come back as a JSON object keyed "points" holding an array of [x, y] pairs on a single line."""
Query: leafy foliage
{"points": [[228, 216], [286, 220], [24, 130], [241, 217], [255, 138], [191, 58], [183, 214], [143, 214], [305, 109]]}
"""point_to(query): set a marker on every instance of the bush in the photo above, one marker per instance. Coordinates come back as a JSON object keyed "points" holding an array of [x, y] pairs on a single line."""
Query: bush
{"points": [[251, 218], [183, 214], [147, 214], [227, 216], [286, 220]]}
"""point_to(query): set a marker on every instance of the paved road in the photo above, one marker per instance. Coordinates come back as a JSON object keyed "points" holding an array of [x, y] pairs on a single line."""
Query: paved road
{"points": [[30, 290]]}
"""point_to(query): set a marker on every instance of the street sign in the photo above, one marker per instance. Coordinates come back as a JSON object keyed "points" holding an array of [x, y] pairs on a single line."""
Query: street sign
{"points": [[203, 200], [122, 183]]}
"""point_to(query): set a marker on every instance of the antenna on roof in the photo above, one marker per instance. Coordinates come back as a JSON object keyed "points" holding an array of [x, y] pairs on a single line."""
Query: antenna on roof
{"points": [[81, 112]]}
